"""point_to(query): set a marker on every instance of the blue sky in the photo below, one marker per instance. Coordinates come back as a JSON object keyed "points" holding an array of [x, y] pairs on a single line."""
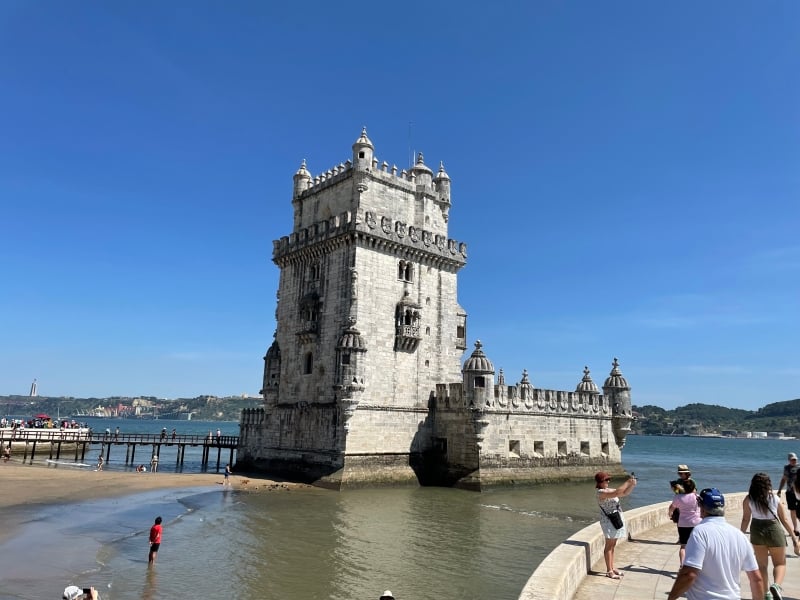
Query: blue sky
{"points": [[625, 176]]}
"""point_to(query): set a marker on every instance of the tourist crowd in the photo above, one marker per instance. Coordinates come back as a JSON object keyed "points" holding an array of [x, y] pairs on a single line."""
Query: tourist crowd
{"points": [[712, 552]]}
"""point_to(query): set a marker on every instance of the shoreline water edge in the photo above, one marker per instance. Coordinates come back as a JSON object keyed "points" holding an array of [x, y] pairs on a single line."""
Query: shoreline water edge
{"points": [[54, 511]]}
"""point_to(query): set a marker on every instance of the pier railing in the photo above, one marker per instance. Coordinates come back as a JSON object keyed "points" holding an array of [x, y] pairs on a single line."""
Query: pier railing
{"points": [[56, 440]]}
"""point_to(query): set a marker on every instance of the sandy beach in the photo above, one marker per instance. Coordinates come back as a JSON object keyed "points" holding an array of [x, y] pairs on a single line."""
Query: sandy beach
{"points": [[29, 485]]}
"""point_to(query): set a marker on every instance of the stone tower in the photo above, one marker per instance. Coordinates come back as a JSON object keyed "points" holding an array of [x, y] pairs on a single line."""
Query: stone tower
{"points": [[363, 382], [368, 322]]}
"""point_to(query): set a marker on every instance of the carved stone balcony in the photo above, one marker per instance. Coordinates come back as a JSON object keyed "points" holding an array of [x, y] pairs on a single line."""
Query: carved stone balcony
{"points": [[308, 332], [406, 338]]}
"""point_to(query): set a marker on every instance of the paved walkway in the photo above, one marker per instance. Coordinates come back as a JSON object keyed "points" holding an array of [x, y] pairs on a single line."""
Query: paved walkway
{"points": [[650, 563]]}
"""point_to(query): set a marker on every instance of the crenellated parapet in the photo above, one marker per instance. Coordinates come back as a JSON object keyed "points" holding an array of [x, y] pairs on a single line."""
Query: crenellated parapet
{"points": [[509, 399], [372, 229], [416, 179]]}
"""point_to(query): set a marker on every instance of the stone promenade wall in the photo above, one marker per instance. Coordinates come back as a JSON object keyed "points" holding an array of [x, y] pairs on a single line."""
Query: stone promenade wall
{"points": [[561, 573]]}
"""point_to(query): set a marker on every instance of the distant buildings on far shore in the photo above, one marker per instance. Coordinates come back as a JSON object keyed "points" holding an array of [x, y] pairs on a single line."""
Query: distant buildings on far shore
{"points": [[758, 435]]}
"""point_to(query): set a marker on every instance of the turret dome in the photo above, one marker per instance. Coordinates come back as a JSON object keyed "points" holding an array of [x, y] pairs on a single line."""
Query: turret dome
{"points": [[351, 339], [477, 362], [302, 171], [421, 167], [274, 352], [442, 174], [615, 378], [525, 386], [587, 385], [363, 141]]}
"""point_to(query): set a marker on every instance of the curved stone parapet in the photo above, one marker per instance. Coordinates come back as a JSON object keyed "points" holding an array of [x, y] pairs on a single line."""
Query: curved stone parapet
{"points": [[560, 575]]}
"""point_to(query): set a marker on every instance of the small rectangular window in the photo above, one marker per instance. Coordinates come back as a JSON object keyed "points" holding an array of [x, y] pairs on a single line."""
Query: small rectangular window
{"points": [[513, 448], [585, 448], [562, 448], [604, 448], [345, 358], [480, 382], [538, 449]]}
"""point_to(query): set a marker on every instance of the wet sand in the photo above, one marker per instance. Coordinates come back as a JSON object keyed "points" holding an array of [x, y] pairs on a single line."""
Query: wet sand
{"points": [[25, 486]]}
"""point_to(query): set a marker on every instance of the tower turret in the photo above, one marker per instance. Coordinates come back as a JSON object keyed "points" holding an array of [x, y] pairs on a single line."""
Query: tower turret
{"points": [[363, 152], [272, 374], [442, 183], [423, 174], [302, 179], [442, 186], [478, 375], [618, 392]]}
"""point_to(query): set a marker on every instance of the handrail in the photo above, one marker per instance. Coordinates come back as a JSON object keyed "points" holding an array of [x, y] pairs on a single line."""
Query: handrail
{"points": [[67, 435]]}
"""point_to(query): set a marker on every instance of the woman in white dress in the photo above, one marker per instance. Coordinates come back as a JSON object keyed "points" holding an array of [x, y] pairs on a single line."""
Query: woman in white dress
{"points": [[608, 499]]}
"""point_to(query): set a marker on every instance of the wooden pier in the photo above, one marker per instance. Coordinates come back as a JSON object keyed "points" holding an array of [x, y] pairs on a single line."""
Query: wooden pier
{"points": [[66, 443]]}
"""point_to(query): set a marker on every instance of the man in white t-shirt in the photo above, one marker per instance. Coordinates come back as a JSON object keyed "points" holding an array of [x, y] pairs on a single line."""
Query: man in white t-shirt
{"points": [[716, 554]]}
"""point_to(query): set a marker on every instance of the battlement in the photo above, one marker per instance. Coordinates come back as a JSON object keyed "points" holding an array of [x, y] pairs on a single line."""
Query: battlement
{"points": [[374, 225], [380, 171], [325, 179], [516, 399]]}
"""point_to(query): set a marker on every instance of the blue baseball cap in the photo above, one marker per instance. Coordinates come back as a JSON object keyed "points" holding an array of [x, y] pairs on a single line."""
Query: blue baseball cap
{"points": [[712, 498]]}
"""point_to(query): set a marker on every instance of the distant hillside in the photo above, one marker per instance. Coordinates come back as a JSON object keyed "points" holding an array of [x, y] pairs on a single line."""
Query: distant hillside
{"points": [[692, 418], [203, 408], [712, 418]]}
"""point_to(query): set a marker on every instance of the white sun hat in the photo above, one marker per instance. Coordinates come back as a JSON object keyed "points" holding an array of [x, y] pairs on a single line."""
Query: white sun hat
{"points": [[72, 592]]}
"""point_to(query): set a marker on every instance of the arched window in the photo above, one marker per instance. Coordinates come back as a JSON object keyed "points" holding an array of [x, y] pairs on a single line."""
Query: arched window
{"points": [[405, 271]]}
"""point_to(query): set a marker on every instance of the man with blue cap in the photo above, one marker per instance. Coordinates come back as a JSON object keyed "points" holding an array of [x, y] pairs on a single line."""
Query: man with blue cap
{"points": [[716, 554]]}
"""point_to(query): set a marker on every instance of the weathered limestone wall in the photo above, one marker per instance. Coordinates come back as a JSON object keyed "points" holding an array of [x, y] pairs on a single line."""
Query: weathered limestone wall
{"points": [[301, 427], [406, 378], [334, 197], [382, 430], [547, 440]]}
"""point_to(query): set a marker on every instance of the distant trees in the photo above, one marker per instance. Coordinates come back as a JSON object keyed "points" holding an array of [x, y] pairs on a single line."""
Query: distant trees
{"points": [[711, 418]]}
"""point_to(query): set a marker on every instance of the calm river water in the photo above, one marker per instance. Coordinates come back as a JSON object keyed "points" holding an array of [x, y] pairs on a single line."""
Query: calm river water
{"points": [[422, 543]]}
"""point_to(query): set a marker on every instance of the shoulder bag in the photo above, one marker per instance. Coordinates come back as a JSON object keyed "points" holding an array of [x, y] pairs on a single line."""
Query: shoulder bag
{"points": [[615, 517]]}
